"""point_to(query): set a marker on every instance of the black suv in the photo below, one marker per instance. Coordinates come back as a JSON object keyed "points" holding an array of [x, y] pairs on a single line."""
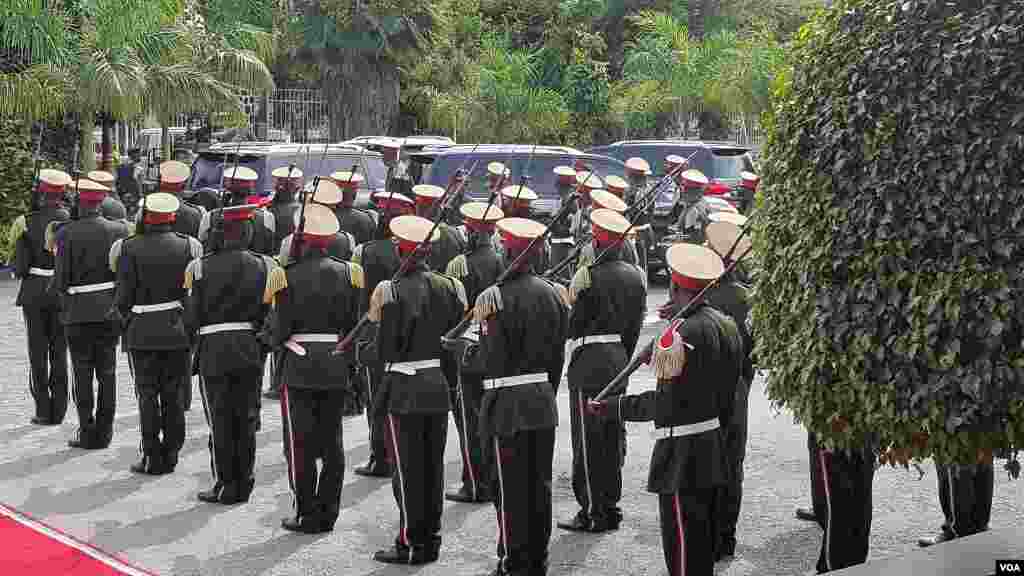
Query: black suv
{"points": [[265, 158]]}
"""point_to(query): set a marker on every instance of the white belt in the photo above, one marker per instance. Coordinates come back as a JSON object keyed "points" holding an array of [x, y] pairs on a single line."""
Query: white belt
{"points": [[595, 339], [642, 227], [687, 429], [410, 368], [294, 345], [226, 327], [86, 288], [144, 308], [535, 378], [567, 240], [40, 271]]}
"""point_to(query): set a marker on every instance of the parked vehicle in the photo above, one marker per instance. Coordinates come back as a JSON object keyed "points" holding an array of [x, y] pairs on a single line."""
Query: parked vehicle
{"points": [[406, 169], [265, 157]]}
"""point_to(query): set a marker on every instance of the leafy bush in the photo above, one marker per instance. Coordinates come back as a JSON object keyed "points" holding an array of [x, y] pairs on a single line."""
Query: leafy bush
{"points": [[15, 169], [891, 292]]}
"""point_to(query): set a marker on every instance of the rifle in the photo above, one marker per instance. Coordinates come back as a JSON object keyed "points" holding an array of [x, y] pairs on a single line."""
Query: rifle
{"points": [[301, 228], [78, 176], [522, 182], [444, 205], [648, 349]]}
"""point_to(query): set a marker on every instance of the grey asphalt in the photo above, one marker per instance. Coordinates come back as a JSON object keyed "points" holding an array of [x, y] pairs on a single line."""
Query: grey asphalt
{"points": [[158, 524]]}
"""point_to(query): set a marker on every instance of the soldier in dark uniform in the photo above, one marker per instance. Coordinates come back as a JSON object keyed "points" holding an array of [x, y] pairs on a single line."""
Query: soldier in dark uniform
{"points": [[360, 224], [524, 323], [516, 202], [321, 299], [586, 182], [477, 270], [284, 206], [33, 265], [206, 198], [965, 494], [626, 251], [411, 315], [150, 269], [609, 300], [111, 208], [450, 242], [747, 190], [637, 171], [731, 297], [85, 286], [380, 261], [230, 292], [173, 177], [561, 239], [341, 244], [693, 208], [697, 362], [240, 185]]}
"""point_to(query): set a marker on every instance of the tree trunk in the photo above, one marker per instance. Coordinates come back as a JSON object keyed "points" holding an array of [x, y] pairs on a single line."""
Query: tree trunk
{"points": [[165, 142], [714, 126], [695, 19], [107, 144], [87, 152], [362, 95]]}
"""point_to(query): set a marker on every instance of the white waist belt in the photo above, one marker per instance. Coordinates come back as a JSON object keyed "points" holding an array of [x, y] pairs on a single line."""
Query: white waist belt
{"points": [[226, 327], [642, 227], [595, 339], [294, 343], [40, 271], [410, 368], [568, 240], [535, 378], [686, 429], [86, 288], [145, 308]]}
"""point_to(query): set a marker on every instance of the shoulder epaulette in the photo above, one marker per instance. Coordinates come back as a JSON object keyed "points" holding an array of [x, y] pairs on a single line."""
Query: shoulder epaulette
{"points": [[382, 295], [195, 246], [458, 267], [357, 254], [586, 257], [460, 290], [355, 273], [277, 280], [580, 282], [487, 304], [193, 272], [669, 357], [115, 252], [50, 235]]}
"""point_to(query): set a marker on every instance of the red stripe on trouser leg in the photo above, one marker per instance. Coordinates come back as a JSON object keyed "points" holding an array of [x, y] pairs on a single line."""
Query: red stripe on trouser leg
{"points": [[828, 509], [680, 533], [403, 520], [467, 462], [286, 417], [500, 507]]}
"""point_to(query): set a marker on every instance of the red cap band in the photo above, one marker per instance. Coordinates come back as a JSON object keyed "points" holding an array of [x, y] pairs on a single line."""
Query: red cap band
{"points": [[478, 225], [171, 186], [407, 246], [239, 184], [159, 218], [91, 195], [316, 241], [603, 236], [425, 200], [515, 242], [47, 188], [688, 283], [237, 215], [716, 189], [749, 184]]}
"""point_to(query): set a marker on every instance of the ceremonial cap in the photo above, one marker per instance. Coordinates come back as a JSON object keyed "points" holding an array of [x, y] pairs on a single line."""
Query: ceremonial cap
{"points": [[497, 170], [161, 203], [393, 201], [347, 180], [694, 179], [320, 222], [242, 213], [517, 233], [675, 160], [607, 200], [588, 180], [566, 175], [281, 174], [427, 193], [518, 194], [731, 217], [480, 215], [101, 177], [53, 181], [608, 224], [693, 267], [240, 178], [90, 191], [173, 175], [722, 236], [327, 192], [637, 166], [411, 231], [615, 185], [749, 180], [719, 204]]}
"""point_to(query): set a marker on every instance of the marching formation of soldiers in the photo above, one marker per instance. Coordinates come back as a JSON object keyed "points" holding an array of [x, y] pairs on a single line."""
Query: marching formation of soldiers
{"points": [[421, 318]]}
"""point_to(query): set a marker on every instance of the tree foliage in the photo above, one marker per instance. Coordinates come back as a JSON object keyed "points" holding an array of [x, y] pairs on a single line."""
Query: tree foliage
{"points": [[891, 286]]}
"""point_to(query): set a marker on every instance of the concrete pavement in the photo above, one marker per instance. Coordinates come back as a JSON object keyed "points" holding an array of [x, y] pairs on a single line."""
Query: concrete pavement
{"points": [[157, 523]]}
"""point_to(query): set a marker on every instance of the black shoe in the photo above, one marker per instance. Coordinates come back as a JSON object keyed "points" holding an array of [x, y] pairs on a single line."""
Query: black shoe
{"points": [[273, 394], [245, 489], [411, 556], [40, 421], [374, 469], [170, 461], [465, 495], [304, 525], [944, 536], [578, 523], [806, 514], [148, 465], [211, 496]]}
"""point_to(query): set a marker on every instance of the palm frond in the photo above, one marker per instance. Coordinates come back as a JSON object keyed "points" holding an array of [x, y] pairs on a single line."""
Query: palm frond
{"points": [[35, 93]]}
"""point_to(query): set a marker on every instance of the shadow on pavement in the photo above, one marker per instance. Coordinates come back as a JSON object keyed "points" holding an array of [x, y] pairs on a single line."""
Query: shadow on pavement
{"points": [[155, 530], [43, 501], [254, 559]]}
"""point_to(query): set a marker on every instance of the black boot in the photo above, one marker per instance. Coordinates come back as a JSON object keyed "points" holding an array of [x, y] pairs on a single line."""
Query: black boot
{"points": [[374, 469], [409, 555], [581, 522], [304, 525], [464, 494], [943, 536], [211, 496], [150, 464], [806, 514]]}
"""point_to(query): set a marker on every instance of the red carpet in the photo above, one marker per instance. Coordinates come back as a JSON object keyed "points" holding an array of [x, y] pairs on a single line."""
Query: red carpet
{"points": [[30, 547]]}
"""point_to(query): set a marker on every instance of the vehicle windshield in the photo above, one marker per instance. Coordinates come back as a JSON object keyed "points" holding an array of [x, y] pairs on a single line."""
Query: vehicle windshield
{"points": [[715, 163], [206, 171], [726, 164]]}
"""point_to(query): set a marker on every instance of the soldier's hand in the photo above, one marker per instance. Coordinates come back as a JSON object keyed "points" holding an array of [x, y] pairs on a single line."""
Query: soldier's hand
{"points": [[597, 408], [457, 346]]}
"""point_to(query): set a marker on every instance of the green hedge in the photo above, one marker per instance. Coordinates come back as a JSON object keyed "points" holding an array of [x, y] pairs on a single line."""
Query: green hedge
{"points": [[891, 290], [15, 169]]}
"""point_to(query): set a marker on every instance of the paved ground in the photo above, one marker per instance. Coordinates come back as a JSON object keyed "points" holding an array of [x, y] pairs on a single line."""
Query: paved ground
{"points": [[157, 523]]}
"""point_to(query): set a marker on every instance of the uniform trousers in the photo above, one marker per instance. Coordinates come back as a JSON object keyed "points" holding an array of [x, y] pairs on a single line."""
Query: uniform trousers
{"points": [[597, 455], [186, 383], [465, 400], [158, 375], [728, 497], [94, 354], [560, 251], [845, 515], [376, 419], [48, 361], [417, 456], [817, 484], [312, 431], [232, 406], [686, 532], [965, 493], [521, 484]]}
